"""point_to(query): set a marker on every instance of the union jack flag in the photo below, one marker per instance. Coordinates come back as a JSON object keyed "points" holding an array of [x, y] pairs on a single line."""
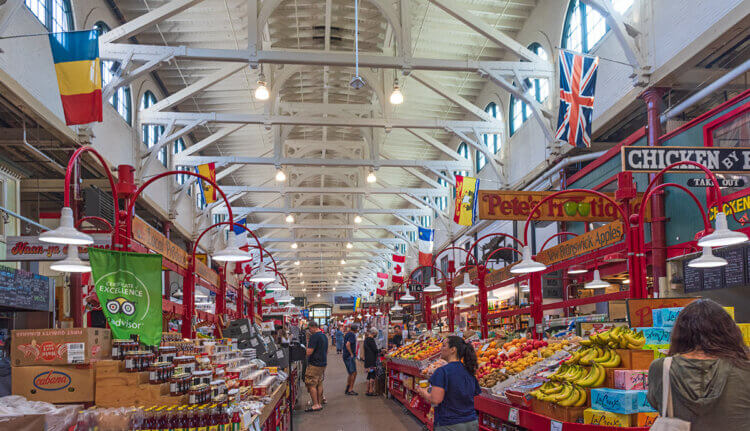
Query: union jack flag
{"points": [[577, 87]]}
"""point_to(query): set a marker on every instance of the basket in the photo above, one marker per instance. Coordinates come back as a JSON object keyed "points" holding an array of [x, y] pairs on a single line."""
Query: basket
{"points": [[518, 399]]}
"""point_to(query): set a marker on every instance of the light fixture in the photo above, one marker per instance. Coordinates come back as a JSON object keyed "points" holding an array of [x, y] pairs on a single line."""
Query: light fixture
{"points": [[274, 286], [707, 260], [294, 245], [408, 296], [359, 316], [285, 298], [577, 269], [378, 313], [349, 245], [626, 281], [338, 273], [396, 307], [397, 97], [302, 282], [336, 282], [263, 276], [318, 295], [334, 289], [66, 233], [232, 252], [296, 263], [720, 237], [466, 286], [432, 287], [72, 263], [597, 282], [527, 264], [304, 290], [368, 315], [300, 274], [615, 257], [371, 178], [357, 219], [261, 91], [343, 262], [289, 218], [280, 175]]}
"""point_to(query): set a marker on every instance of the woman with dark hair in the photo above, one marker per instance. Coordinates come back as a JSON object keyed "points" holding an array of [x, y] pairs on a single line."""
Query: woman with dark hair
{"points": [[709, 374], [453, 387]]}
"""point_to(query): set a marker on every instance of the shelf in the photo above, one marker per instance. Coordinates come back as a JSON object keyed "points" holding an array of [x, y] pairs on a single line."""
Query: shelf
{"points": [[414, 371], [533, 421], [417, 413]]}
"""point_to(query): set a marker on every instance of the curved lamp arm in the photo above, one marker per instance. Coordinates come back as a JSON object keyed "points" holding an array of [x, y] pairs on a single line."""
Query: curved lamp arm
{"points": [[707, 171], [453, 247], [426, 266], [559, 234], [641, 214], [221, 223], [94, 218]]}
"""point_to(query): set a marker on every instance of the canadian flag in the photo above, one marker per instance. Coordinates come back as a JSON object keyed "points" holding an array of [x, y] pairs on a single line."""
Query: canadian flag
{"points": [[397, 271]]}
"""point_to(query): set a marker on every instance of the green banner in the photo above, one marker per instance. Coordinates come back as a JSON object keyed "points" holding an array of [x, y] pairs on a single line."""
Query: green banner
{"points": [[128, 286]]}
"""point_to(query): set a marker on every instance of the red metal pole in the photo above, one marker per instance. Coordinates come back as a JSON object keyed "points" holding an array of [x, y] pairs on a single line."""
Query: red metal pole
{"points": [[188, 300], [449, 292], [428, 311], [482, 273], [652, 97], [166, 228], [537, 314], [251, 303]]}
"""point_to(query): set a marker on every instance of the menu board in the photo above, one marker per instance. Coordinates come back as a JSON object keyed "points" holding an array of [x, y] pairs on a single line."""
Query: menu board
{"points": [[693, 278], [21, 289], [713, 278], [735, 273]]}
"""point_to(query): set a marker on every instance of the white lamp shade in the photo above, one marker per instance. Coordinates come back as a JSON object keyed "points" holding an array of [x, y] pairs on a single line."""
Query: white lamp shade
{"points": [[72, 263], [378, 313], [707, 260], [66, 233], [261, 92], [432, 288], [577, 269], [275, 286], [466, 286], [527, 264], [408, 296], [285, 298], [597, 282], [722, 236], [263, 276], [396, 307], [232, 252]]}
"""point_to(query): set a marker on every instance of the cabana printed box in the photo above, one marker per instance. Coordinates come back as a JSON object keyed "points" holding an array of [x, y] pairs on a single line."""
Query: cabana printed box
{"points": [[656, 335], [614, 400], [665, 316], [643, 405], [600, 417], [631, 379]]}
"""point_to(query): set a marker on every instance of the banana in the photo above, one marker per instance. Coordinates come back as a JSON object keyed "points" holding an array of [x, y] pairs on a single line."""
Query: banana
{"points": [[615, 361], [554, 390], [634, 347], [602, 376], [582, 399], [586, 343], [575, 395], [635, 340], [607, 356], [588, 357], [565, 393], [604, 337], [589, 379], [573, 359]]}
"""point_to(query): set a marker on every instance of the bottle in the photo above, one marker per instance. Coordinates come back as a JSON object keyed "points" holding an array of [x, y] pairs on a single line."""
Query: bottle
{"points": [[224, 420], [180, 418], [236, 423], [213, 418], [202, 418], [149, 418], [192, 419]]}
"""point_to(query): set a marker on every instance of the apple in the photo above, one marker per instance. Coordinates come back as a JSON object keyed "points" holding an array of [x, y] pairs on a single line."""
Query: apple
{"points": [[584, 208], [570, 207]]}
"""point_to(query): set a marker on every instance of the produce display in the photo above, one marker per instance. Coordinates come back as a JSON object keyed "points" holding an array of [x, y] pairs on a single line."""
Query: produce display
{"points": [[490, 378], [588, 378], [565, 394], [430, 369], [418, 350], [620, 337], [515, 356]]}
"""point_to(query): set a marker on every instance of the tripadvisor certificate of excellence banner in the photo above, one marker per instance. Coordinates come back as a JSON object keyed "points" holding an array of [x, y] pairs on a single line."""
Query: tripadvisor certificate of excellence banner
{"points": [[128, 286]]}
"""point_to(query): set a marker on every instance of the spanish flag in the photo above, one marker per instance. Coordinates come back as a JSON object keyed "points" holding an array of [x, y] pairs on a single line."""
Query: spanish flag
{"points": [[79, 77], [466, 200], [208, 190]]}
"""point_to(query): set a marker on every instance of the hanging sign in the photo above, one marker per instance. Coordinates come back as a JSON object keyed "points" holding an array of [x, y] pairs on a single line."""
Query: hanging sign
{"points": [[516, 205], [723, 182], [720, 160], [19, 248], [593, 240], [735, 206]]}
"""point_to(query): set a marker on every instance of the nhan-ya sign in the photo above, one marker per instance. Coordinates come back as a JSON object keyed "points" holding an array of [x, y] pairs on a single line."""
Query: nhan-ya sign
{"points": [[720, 160]]}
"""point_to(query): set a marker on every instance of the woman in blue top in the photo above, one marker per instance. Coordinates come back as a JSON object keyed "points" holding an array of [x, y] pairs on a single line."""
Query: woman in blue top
{"points": [[339, 340], [454, 387]]}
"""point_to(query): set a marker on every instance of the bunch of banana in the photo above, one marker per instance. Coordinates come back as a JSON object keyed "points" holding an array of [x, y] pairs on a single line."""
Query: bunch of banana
{"points": [[594, 378], [605, 356], [565, 394], [568, 373], [620, 337]]}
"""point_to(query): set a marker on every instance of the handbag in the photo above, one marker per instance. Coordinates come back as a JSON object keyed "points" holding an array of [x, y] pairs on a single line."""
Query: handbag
{"points": [[666, 420]]}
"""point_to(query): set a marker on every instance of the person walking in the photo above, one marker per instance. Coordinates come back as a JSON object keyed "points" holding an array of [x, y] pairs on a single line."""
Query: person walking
{"points": [[339, 336], [317, 352], [453, 387], [708, 368], [350, 347], [371, 360]]}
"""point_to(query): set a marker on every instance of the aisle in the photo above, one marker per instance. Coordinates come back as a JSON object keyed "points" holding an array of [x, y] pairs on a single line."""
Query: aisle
{"points": [[350, 413]]}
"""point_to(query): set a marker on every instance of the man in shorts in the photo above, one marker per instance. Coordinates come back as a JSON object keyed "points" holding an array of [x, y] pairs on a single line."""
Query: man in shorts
{"points": [[317, 351], [350, 362]]}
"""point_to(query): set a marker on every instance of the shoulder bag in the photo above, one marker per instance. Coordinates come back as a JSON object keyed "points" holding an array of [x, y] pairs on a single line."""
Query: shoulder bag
{"points": [[666, 420]]}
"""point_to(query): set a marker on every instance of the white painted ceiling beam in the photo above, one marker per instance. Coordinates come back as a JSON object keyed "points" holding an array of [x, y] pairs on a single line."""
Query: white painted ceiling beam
{"points": [[326, 210], [146, 21], [328, 239], [431, 192], [200, 85], [296, 226], [447, 165], [435, 86]]}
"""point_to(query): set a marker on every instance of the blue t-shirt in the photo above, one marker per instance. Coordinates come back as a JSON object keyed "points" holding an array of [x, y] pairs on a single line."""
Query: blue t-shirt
{"points": [[319, 344], [349, 338], [460, 389]]}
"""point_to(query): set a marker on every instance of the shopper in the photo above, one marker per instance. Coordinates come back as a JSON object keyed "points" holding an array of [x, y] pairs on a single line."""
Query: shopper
{"points": [[339, 337], [371, 360], [453, 387], [709, 378], [350, 348], [397, 337], [317, 351]]}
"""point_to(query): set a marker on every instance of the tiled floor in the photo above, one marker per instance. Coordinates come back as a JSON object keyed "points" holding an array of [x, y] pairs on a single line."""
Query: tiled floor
{"points": [[351, 413]]}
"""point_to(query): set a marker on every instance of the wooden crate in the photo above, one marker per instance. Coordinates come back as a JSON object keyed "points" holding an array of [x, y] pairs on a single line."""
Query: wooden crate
{"points": [[566, 414], [116, 388], [635, 359]]}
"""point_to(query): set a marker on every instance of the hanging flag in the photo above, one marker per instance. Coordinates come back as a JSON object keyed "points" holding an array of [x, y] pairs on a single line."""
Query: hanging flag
{"points": [[577, 88], [79, 75], [380, 291], [465, 212], [426, 237], [128, 286], [397, 271], [207, 189], [238, 230]]}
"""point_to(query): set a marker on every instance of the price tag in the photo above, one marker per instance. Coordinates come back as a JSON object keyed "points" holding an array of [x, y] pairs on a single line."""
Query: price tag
{"points": [[513, 415], [555, 426]]}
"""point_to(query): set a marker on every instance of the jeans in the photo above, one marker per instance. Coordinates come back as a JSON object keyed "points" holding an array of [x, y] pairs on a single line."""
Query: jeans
{"points": [[466, 426], [351, 365]]}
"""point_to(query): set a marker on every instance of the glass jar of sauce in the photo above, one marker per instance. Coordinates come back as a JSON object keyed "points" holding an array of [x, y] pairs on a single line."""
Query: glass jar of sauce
{"points": [[187, 363], [160, 372], [167, 353], [179, 384]]}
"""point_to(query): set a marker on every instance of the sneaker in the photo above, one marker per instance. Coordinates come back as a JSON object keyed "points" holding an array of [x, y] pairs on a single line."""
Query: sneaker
{"points": [[352, 393]]}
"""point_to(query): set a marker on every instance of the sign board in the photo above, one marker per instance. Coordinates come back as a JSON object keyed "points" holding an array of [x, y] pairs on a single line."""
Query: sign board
{"points": [[735, 206], [516, 205], [723, 182], [720, 160], [600, 237], [639, 310], [281, 311], [21, 289], [552, 285], [344, 300], [18, 248]]}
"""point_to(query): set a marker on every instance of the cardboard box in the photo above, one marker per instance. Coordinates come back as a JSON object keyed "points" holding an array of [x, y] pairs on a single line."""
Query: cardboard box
{"points": [[631, 379], [662, 317], [657, 335], [730, 310], [60, 346], [643, 405], [614, 400], [55, 384], [600, 417], [645, 419]]}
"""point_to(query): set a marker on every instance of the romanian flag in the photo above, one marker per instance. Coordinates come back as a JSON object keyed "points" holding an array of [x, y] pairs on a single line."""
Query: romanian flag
{"points": [[79, 76], [466, 200], [209, 192]]}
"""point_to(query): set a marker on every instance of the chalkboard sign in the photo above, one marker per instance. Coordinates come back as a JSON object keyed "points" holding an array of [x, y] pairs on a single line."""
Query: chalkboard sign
{"points": [[21, 289], [735, 273], [693, 277], [713, 278]]}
